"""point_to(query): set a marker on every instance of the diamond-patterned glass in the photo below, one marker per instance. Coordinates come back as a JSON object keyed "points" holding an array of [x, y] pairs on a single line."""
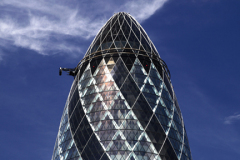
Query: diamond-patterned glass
{"points": [[122, 105]]}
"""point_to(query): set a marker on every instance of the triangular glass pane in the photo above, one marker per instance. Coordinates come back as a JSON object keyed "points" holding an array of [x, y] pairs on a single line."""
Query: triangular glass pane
{"points": [[176, 117], [94, 63], [143, 32], [103, 79], [154, 73], [127, 46], [165, 122], [107, 38], [131, 116], [102, 63], [144, 138], [118, 104], [138, 74], [105, 32], [145, 44], [129, 61], [136, 31], [119, 72], [110, 86], [106, 135], [105, 143], [130, 90], [110, 67], [126, 29], [95, 47], [148, 88], [131, 125], [113, 45], [121, 18], [176, 145], [107, 125], [118, 136], [86, 74], [115, 29], [109, 95], [102, 71], [128, 20], [119, 96], [133, 39], [111, 61], [142, 110], [106, 45], [114, 20], [168, 104], [151, 98], [98, 106], [119, 114]]}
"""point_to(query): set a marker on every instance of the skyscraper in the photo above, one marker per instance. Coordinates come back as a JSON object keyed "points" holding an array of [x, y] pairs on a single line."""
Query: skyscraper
{"points": [[121, 104]]}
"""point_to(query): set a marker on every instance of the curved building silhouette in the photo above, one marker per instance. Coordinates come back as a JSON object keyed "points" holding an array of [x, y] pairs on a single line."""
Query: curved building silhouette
{"points": [[122, 105]]}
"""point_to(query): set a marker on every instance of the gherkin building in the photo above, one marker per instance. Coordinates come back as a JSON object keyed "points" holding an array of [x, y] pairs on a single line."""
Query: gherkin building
{"points": [[121, 105]]}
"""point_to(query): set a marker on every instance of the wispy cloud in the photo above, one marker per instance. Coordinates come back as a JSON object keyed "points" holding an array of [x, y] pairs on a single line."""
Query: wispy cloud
{"points": [[143, 9], [231, 119], [50, 27]]}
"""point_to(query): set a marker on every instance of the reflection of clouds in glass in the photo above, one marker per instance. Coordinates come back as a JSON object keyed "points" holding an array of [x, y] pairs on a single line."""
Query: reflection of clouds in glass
{"points": [[231, 119]]}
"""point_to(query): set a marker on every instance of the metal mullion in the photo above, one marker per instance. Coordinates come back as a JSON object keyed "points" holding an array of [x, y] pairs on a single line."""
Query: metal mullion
{"points": [[130, 26], [144, 129], [143, 37], [139, 40], [169, 140], [74, 109], [87, 142], [126, 76], [70, 123], [96, 36]]}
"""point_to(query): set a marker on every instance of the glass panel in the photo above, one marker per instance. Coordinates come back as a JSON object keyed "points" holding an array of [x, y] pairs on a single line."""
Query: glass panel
{"points": [[95, 147], [158, 66], [119, 114], [155, 77], [142, 110], [176, 145], [106, 135], [167, 151], [168, 84], [105, 157], [119, 72], [94, 63], [130, 90], [155, 132], [126, 29], [73, 101], [128, 20], [145, 44], [82, 134], [178, 122], [136, 31], [152, 99], [118, 104], [128, 59], [76, 117]]}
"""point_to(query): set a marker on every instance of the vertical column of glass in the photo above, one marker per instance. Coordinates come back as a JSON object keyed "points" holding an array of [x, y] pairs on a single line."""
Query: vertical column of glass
{"points": [[65, 148], [142, 147]]}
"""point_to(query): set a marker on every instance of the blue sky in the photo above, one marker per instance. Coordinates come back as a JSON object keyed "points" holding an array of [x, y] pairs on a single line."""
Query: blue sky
{"points": [[198, 39]]}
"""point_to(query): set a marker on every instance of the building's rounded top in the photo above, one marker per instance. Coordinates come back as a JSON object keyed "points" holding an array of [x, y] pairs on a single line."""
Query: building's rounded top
{"points": [[120, 33]]}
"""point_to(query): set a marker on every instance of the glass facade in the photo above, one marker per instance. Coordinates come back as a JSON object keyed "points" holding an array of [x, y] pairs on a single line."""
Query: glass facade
{"points": [[122, 105]]}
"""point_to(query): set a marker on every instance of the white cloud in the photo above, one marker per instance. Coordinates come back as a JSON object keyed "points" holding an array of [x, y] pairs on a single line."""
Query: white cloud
{"points": [[45, 26], [143, 9], [231, 119]]}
